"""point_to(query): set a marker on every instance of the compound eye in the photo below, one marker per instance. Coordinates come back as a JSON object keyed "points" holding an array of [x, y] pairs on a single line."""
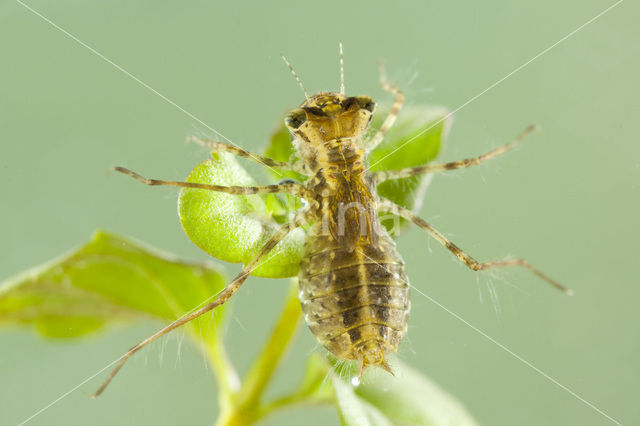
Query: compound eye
{"points": [[366, 102], [295, 119]]}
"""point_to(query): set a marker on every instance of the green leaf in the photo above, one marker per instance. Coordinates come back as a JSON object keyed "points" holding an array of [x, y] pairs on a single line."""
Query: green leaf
{"points": [[281, 149], [235, 227], [353, 410], [414, 140], [407, 398], [108, 280]]}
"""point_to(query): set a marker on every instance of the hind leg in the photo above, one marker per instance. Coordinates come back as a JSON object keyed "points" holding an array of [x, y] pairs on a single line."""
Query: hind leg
{"points": [[224, 295], [469, 261]]}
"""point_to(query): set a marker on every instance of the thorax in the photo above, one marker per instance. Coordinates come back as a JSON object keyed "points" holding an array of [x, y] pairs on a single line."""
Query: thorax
{"points": [[343, 196]]}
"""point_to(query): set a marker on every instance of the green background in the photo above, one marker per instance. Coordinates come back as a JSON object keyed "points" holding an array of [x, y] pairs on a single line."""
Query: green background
{"points": [[567, 199]]}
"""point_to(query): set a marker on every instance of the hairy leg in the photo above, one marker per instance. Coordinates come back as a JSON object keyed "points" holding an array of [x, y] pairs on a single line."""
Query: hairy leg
{"points": [[224, 295], [289, 187], [471, 263], [454, 165], [393, 114], [297, 166]]}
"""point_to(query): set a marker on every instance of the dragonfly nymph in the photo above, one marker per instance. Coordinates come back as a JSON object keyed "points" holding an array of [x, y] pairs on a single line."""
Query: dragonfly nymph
{"points": [[353, 287]]}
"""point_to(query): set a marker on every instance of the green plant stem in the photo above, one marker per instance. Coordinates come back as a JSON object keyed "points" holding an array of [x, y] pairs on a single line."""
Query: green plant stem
{"points": [[313, 390], [246, 407], [295, 398], [224, 371]]}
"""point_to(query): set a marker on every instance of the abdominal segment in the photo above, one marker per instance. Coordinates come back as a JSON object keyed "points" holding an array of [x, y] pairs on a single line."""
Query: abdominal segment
{"points": [[356, 302]]}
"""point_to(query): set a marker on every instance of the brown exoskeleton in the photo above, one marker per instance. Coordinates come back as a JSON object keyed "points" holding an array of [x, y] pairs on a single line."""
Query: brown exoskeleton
{"points": [[353, 287]]}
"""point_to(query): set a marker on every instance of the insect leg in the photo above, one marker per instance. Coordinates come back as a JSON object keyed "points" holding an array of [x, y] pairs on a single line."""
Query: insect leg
{"points": [[473, 264], [224, 295], [454, 165], [289, 187], [265, 161], [393, 114]]}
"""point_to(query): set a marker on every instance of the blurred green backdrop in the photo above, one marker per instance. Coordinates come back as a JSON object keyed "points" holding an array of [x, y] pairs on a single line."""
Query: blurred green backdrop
{"points": [[567, 200]]}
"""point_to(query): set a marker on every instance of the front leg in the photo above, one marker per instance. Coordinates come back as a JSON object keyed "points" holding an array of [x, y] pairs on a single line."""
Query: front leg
{"points": [[388, 206], [454, 165], [297, 166], [393, 114]]}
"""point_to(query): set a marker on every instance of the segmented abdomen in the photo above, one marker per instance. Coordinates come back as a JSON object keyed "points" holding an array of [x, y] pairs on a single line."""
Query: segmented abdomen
{"points": [[355, 303]]}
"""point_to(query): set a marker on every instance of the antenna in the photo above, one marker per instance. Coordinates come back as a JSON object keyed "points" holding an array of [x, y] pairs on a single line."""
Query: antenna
{"points": [[295, 75], [341, 70]]}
